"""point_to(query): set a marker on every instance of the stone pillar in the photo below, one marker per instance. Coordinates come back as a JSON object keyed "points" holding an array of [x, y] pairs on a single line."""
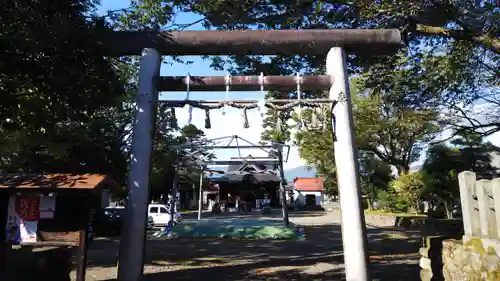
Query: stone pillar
{"points": [[354, 237], [130, 267]]}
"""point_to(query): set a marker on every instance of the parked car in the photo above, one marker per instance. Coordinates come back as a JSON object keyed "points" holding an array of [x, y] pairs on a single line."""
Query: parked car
{"points": [[108, 221], [161, 214]]}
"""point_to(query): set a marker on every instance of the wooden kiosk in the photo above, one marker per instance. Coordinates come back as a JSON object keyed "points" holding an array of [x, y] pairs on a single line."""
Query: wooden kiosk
{"points": [[49, 210]]}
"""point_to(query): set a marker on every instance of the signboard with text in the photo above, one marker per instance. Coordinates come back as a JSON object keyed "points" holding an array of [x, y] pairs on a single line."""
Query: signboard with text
{"points": [[23, 215]]}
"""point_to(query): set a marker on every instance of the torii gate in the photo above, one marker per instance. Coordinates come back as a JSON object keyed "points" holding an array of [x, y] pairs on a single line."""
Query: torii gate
{"points": [[152, 44]]}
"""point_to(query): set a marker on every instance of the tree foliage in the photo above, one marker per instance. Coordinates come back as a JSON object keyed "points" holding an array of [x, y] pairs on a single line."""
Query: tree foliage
{"points": [[68, 108], [316, 148], [410, 189], [451, 60], [476, 153], [65, 106], [167, 161], [442, 166], [275, 123], [396, 133], [375, 175], [59, 91], [51, 74]]}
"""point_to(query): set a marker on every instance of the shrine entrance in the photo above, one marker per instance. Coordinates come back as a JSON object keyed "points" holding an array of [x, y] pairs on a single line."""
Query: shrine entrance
{"points": [[332, 43]]}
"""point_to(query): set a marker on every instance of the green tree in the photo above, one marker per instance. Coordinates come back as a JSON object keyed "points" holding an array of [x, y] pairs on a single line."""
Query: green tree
{"points": [[473, 21], [395, 132], [462, 30], [391, 132], [51, 74], [409, 188], [62, 104], [166, 156], [442, 166], [475, 152], [316, 148], [275, 123], [443, 163], [451, 59], [375, 175]]}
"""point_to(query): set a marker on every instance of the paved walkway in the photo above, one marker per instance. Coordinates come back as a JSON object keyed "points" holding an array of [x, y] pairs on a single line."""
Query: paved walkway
{"points": [[393, 255]]}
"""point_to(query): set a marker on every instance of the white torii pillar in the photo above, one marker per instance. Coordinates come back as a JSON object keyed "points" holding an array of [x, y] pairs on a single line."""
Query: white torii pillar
{"points": [[130, 266], [354, 238]]}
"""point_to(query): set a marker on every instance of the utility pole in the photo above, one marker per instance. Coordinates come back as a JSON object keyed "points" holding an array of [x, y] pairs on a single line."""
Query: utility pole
{"points": [[200, 195], [175, 185], [284, 205], [353, 220]]}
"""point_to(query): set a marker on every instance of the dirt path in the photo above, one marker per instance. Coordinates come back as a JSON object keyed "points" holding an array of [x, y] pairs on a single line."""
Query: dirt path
{"points": [[394, 256]]}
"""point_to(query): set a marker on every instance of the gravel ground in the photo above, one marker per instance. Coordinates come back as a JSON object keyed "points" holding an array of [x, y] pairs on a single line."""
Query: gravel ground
{"points": [[393, 255]]}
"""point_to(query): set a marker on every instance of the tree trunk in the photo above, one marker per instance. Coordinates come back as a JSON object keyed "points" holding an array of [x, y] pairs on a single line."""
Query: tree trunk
{"points": [[489, 41], [416, 206], [369, 202], [402, 169]]}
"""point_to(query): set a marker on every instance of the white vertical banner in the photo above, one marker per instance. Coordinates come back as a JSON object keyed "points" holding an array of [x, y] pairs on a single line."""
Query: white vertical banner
{"points": [[22, 219]]}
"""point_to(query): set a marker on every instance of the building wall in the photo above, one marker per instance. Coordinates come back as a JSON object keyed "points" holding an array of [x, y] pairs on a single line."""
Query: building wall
{"points": [[299, 197]]}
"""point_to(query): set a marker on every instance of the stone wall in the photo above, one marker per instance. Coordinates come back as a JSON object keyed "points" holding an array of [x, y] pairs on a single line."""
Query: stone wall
{"points": [[426, 226], [468, 259], [431, 263]]}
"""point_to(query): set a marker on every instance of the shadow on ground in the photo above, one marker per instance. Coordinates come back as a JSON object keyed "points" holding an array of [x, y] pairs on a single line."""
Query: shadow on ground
{"points": [[393, 255]]}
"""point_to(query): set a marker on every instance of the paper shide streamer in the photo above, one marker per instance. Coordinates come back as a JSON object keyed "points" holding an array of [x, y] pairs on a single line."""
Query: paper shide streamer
{"points": [[208, 124], [299, 111], [261, 105], [190, 108], [314, 118], [246, 125]]}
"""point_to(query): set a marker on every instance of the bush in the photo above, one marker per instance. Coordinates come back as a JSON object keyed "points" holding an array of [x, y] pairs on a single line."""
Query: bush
{"points": [[390, 201], [409, 189], [401, 204], [384, 200]]}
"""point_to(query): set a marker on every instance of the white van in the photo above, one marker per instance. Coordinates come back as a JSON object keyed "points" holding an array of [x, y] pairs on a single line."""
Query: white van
{"points": [[161, 214]]}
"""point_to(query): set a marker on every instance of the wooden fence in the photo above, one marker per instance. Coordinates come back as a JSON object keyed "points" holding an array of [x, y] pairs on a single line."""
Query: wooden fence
{"points": [[480, 199]]}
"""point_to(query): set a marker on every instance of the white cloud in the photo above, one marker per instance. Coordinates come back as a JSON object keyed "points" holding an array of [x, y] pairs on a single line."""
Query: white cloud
{"points": [[494, 139], [232, 124]]}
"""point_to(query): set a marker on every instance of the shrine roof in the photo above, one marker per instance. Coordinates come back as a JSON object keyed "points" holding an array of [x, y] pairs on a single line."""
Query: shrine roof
{"points": [[309, 184]]}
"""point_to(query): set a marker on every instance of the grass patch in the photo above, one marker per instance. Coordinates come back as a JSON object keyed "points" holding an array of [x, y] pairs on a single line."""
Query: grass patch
{"points": [[187, 212], [396, 214]]}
